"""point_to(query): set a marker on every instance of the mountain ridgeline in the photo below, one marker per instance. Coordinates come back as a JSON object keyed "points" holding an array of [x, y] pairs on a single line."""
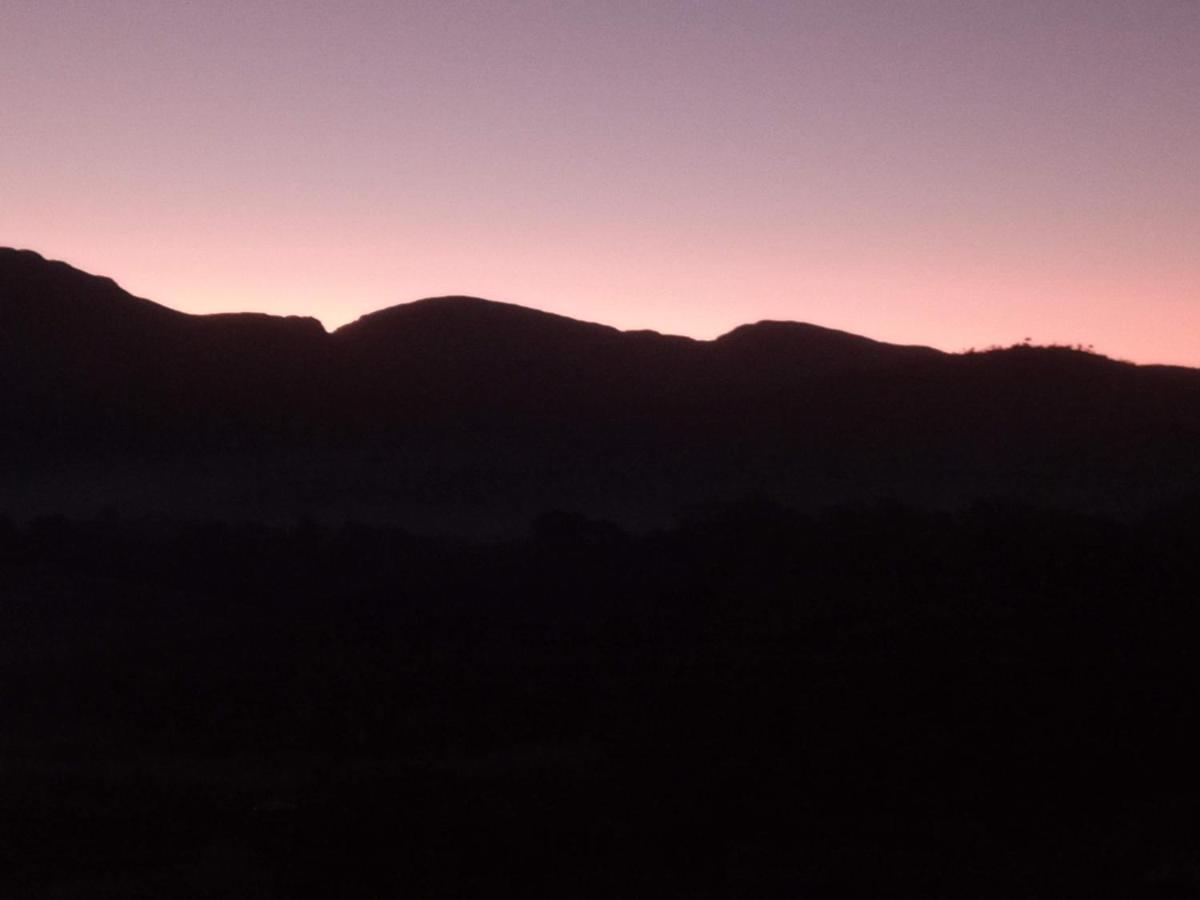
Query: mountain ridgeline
{"points": [[458, 413]]}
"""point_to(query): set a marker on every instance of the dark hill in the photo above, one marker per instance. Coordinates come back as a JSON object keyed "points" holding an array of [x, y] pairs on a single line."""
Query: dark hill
{"points": [[58, 324], [480, 353], [780, 349], [462, 413]]}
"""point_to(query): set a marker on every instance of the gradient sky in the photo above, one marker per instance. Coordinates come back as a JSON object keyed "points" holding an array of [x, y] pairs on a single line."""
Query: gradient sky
{"points": [[954, 173]]}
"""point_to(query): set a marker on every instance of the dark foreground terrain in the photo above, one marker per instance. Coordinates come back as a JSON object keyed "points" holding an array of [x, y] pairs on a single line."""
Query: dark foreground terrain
{"points": [[871, 702]]}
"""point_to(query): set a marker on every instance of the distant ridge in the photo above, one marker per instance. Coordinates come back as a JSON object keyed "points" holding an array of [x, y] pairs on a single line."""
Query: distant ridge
{"points": [[467, 414], [35, 286]]}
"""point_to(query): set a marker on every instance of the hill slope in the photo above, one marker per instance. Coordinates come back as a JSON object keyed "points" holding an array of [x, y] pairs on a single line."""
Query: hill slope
{"points": [[465, 414]]}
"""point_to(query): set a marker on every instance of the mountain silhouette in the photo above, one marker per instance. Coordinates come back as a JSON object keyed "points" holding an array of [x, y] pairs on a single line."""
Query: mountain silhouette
{"points": [[466, 414]]}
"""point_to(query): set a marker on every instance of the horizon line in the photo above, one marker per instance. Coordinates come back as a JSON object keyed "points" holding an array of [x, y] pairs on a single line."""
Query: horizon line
{"points": [[993, 347]]}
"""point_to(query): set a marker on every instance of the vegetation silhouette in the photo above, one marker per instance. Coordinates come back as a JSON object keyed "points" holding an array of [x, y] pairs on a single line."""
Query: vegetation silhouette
{"points": [[868, 701]]}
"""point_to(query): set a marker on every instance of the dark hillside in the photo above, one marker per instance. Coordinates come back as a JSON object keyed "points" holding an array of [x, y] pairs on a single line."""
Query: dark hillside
{"points": [[787, 613], [465, 414]]}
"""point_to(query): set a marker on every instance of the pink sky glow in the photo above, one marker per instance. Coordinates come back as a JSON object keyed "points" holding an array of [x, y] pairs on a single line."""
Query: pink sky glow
{"points": [[960, 173]]}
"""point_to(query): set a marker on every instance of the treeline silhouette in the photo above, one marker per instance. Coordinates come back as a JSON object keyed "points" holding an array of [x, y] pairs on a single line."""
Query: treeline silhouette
{"points": [[871, 701]]}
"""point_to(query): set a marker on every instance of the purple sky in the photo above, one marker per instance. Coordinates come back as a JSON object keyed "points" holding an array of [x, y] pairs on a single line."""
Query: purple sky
{"points": [[957, 173]]}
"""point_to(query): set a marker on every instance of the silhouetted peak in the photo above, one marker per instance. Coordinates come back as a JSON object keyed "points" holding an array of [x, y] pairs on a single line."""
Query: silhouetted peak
{"points": [[51, 296], [793, 333], [473, 325], [44, 299], [1048, 362], [17, 266], [785, 327], [14, 256], [803, 344], [455, 313], [1041, 352]]}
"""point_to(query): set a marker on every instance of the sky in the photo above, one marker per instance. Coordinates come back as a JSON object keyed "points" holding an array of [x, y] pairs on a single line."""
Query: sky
{"points": [[957, 173]]}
